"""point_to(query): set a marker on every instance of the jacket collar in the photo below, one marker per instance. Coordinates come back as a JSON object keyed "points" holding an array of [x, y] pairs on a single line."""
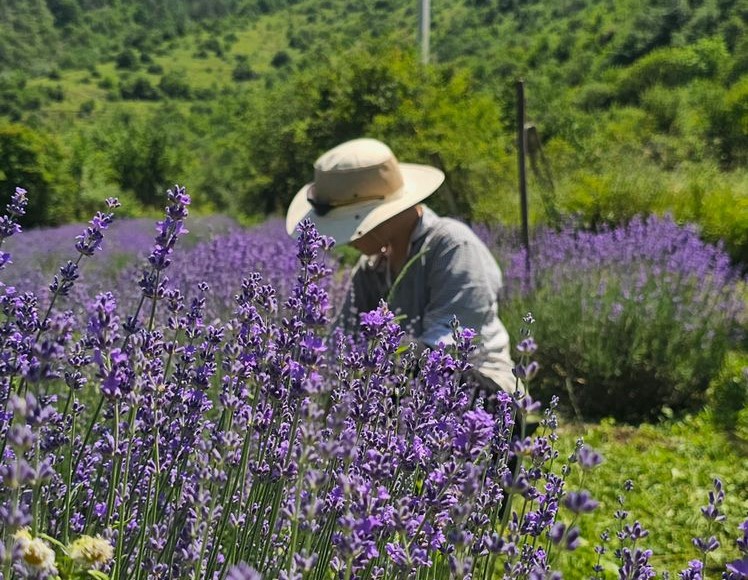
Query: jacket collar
{"points": [[423, 227]]}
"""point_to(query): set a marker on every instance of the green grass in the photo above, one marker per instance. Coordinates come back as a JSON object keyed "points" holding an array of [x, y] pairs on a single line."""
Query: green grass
{"points": [[672, 466]]}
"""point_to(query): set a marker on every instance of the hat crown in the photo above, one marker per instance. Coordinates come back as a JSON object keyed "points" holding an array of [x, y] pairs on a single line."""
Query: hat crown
{"points": [[355, 154], [356, 171]]}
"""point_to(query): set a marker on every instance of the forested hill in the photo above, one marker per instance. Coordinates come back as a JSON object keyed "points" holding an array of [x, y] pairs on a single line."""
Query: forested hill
{"points": [[38, 34], [580, 39], [638, 105]]}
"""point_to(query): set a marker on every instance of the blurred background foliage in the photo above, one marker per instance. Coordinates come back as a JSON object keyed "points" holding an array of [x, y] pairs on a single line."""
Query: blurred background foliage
{"points": [[638, 106]]}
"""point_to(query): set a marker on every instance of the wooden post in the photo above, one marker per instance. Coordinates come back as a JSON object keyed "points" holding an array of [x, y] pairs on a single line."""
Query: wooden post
{"points": [[521, 153]]}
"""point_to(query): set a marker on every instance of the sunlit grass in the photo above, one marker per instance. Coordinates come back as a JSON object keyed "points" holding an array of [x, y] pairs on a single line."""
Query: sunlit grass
{"points": [[672, 466]]}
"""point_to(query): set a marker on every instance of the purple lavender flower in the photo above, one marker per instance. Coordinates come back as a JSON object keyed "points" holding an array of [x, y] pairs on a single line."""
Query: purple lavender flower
{"points": [[737, 569], [16, 208], [573, 539], [68, 275], [588, 458], [170, 229], [526, 372], [706, 545], [242, 571], [742, 542], [693, 572], [116, 373], [712, 510], [580, 502], [8, 223], [90, 240], [475, 434], [635, 564], [18, 203]]}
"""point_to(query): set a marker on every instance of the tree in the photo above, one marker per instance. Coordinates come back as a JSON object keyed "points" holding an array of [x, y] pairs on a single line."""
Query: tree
{"points": [[34, 161], [432, 115], [65, 12], [143, 154]]}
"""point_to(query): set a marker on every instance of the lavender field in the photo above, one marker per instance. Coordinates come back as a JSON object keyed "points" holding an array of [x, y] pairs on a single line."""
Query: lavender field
{"points": [[181, 404]]}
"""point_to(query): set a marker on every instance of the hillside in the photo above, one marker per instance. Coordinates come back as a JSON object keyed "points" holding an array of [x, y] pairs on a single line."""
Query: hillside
{"points": [[638, 105]]}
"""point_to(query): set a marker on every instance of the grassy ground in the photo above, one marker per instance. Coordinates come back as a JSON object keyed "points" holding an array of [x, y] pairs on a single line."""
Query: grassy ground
{"points": [[672, 466]]}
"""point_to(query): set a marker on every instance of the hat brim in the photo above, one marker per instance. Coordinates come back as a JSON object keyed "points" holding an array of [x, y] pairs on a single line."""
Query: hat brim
{"points": [[350, 222]]}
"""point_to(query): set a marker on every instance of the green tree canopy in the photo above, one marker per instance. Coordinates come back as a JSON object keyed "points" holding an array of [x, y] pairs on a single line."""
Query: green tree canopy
{"points": [[35, 161]]}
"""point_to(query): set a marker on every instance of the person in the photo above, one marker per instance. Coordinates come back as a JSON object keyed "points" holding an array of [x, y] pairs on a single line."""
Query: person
{"points": [[428, 268]]}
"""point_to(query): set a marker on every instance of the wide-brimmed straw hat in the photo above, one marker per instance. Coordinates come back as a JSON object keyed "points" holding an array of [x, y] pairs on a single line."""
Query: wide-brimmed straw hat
{"points": [[357, 186]]}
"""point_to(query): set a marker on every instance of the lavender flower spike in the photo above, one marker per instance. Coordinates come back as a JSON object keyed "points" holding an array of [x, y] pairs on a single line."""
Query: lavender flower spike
{"points": [[580, 502], [8, 224], [90, 240]]}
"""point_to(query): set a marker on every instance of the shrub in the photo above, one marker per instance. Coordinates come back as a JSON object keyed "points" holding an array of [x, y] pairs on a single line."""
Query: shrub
{"points": [[634, 318], [141, 151], [612, 196], [205, 93], [127, 59], [718, 202], [174, 84], [213, 45], [593, 96], [106, 83], [138, 87], [672, 67], [280, 59], [86, 108], [55, 93], [735, 130], [243, 71], [728, 392], [663, 104]]}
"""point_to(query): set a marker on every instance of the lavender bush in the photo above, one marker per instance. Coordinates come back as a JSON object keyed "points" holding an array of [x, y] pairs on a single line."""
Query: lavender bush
{"points": [[634, 318], [154, 442]]}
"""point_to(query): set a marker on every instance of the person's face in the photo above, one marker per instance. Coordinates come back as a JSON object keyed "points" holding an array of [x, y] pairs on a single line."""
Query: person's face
{"points": [[370, 243]]}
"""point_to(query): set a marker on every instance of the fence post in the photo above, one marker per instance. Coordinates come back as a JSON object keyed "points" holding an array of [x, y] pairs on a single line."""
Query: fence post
{"points": [[521, 153]]}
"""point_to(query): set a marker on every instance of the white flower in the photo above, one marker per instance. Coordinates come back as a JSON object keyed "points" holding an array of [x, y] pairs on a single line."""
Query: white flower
{"points": [[36, 555], [91, 552]]}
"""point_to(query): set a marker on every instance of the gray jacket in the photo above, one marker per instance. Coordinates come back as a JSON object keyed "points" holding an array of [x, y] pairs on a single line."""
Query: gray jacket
{"points": [[454, 275]]}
